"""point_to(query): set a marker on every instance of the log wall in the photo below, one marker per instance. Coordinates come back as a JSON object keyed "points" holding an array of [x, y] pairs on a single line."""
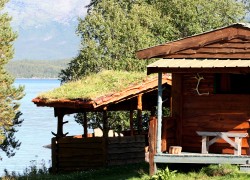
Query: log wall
{"points": [[126, 150], [213, 112], [168, 133], [72, 154], [77, 153]]}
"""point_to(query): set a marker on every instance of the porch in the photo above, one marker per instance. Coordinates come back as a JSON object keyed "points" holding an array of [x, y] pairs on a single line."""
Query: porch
{"points": [[198, 158]]}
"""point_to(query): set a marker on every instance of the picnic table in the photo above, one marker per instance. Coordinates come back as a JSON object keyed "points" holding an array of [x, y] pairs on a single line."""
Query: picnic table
{"points": [[221, 135]]}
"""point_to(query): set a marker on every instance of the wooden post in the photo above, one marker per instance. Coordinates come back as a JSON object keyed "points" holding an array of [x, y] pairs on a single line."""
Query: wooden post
{"points": [[105, 135], [54, 155], [139, 113], [59, 114], [105, 124], [248, 139], [177, 105], [159, 113], [60, 125], [131, 113], [204, 146], [85, 124], [164, 135], [152, 144]]}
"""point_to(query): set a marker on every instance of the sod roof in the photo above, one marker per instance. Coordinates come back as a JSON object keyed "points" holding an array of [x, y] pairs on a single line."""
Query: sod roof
{"points": [[99, 89]]}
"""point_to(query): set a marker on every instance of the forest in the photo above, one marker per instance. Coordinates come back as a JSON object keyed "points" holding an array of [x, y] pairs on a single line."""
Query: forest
{"points": [[36, 68]]}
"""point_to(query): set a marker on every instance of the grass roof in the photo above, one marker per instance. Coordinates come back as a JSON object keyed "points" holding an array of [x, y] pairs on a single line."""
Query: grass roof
{"points": [[95, 85]]}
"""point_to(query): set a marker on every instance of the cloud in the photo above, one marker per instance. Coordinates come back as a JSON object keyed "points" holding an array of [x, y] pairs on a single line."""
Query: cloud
{"points": [[47, 38], [36, 13]]}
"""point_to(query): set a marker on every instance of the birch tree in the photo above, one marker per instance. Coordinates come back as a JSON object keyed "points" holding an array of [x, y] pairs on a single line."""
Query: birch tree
{"points": [[114, 29]]}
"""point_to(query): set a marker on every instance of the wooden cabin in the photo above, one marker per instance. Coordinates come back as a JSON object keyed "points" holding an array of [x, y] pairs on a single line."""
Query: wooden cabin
{"points": [[210, 105], [83, 152]]}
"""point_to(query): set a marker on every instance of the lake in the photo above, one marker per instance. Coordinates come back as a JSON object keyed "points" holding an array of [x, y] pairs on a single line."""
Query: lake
{"points": [[35, 131]]}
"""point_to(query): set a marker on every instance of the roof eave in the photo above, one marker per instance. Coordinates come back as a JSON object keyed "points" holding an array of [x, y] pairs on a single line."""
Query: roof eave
{"points": [[59, 103], [195, 41], [151, 70]]}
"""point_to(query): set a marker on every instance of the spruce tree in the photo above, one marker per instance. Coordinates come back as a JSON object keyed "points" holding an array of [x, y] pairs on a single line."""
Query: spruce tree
{"points": [[9, 94]]}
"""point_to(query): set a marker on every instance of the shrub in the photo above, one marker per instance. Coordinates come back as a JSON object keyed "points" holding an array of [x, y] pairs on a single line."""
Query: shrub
{"points": [[164, 174], [220, 170]]}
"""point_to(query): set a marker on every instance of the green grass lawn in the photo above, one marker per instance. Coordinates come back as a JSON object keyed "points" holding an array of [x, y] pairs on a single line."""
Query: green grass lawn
{"points": [[140, 171]]}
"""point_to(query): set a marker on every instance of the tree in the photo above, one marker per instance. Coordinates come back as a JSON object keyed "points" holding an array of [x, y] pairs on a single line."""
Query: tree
{"points": [[111, 33], [190, 17], [117, 121], [9, 95], [114, 29]]}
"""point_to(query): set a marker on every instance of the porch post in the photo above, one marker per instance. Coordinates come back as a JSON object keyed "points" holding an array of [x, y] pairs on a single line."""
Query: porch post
{"points": [[131, 122], [59, 114], [159, 113], [139, 113], [85, 122], [105, 135]]}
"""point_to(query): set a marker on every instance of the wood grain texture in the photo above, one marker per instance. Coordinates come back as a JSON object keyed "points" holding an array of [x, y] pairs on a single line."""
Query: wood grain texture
{"points": [[74, 154], [215, 112]]}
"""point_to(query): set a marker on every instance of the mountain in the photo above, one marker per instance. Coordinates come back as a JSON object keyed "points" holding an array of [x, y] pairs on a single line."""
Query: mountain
{"points": [[36, 68]]}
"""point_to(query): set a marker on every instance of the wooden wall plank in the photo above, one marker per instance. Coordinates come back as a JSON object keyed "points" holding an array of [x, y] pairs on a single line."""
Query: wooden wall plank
{"points": [[215, 112], [73, 154], [177, 105], [152, 143]]}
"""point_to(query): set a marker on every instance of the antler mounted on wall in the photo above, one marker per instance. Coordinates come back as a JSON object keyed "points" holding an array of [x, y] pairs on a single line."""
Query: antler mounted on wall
{"points": [[199, 78]]}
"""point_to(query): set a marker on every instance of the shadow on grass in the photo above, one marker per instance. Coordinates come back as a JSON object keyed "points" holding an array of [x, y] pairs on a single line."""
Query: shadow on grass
{"points": [[132, 172]]}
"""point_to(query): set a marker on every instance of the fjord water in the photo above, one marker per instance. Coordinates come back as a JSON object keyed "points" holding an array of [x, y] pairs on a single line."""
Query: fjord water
{"points": [[36, 128]]}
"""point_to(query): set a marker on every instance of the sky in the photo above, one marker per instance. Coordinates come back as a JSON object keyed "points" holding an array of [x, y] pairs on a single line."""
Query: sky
{"points": [[46, 28]]}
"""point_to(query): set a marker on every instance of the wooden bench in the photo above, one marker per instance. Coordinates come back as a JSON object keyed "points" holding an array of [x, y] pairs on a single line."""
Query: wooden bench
{"points": [[221, 135]]}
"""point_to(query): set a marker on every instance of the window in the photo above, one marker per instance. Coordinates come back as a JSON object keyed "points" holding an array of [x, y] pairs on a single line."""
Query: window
{"points": [[232, 84]]}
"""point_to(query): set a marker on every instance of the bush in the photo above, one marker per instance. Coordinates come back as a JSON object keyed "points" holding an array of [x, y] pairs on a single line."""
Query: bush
{"points": [[164, 174], [32, 171], [220, 170]]}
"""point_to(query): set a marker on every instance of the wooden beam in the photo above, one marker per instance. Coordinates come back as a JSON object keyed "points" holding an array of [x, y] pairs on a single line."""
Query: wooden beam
{"points": [[152, 143], [159, 113], [164, 135], [139, 113], [54, 155], [105, 124], [177, 105], [236, 55], [105, 135], [197, 158], [85, 124], [131, 118], [242, 70], [248, 139], [201, 40]]}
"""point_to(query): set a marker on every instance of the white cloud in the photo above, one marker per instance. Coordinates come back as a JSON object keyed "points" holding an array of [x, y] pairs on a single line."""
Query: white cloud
{"points": [[62, 43], [26, 13], [47, 38]]}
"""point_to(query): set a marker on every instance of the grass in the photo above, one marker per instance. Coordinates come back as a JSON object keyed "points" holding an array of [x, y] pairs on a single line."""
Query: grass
{"points": [[95, 85], [139, 172], [132, 172]]}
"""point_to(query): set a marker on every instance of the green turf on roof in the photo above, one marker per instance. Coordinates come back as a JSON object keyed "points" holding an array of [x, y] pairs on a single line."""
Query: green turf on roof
{"points": [[95, 85]]}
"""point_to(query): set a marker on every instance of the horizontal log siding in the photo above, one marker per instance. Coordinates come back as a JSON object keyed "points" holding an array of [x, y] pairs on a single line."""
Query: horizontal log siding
{"points": [[215, 112], [169, 131], [235, 48], [73, 154], [77, 153], [126, 150]]}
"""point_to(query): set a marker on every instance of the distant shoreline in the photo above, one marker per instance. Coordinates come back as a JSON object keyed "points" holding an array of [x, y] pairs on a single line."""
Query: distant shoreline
{"points": [[39, 78]]}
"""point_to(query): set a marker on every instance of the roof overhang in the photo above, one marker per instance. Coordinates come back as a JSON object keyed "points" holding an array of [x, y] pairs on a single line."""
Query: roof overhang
{"points": [[199, 65], [99, 103], [227, 42]]}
